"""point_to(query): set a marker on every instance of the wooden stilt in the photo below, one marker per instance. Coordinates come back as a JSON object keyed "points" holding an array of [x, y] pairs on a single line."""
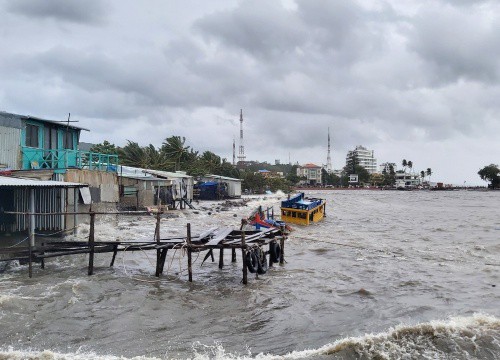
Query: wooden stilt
{"points": [[91, 243], [243, 256], [163, 257], [282, 245], [157, 238], [221, 258], [212, 255], [30, 263], [115, 251], [270, 257], [190, 265], [42, 262], [233, 255]]}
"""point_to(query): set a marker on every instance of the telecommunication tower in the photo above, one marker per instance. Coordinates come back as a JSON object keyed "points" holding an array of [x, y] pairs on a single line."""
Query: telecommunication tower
{"points": [[329, 158], [241, 155], [234, 151]]}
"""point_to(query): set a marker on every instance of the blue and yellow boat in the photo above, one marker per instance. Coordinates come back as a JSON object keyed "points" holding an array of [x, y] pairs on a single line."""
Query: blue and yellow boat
{"points": [[301, 210]]}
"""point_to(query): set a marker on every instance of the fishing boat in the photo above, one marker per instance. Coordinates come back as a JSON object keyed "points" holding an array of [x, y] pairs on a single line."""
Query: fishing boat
{"points": [[301, 210], [260, 221]]}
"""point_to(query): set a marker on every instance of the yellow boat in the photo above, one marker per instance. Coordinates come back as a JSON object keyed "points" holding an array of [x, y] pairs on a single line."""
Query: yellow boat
{"points": [[301, 210]]}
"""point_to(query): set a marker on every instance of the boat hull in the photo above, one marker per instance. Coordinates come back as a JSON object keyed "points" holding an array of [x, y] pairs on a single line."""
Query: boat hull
{"points": [[303, 217]]}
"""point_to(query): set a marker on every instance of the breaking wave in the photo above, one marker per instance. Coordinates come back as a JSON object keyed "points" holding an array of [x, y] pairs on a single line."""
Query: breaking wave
{"points": [[474, 337]]}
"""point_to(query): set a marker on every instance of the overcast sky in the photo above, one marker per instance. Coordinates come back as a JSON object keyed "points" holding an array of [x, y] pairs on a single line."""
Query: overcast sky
{"points": [[415, 80]]}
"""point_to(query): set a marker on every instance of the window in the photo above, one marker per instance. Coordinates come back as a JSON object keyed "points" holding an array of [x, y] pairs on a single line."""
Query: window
{"points": [[68, 140], [32, 136]]}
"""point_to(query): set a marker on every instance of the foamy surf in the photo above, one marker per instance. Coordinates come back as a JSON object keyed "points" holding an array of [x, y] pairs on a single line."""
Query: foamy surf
{"points": [[474, 337]]}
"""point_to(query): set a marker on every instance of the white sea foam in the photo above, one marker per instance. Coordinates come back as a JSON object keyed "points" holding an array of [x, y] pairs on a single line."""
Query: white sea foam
{"points": [[429, 340]]}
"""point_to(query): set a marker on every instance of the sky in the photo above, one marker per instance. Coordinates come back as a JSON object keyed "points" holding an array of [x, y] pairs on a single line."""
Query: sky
{"points": [[415, 80]]}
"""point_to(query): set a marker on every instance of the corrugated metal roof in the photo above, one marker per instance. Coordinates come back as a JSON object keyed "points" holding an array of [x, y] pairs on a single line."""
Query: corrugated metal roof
{"points": [[167, 174], [211, 176], [21, 182], [61, 123]]}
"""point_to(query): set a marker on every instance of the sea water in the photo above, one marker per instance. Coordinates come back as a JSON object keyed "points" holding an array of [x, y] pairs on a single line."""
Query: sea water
{"points": [[386, 275]]}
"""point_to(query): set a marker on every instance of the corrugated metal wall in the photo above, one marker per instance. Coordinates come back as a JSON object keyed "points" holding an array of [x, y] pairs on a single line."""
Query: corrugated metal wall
{"points": [[10, 140], [47, 200]]}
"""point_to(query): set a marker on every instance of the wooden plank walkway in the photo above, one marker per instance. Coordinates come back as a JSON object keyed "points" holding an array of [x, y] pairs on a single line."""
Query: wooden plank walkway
{"points": [[208, 240]]}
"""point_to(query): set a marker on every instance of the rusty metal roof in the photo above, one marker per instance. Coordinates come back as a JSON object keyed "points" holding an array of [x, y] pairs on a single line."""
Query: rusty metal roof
{"points": [[9, 181]]}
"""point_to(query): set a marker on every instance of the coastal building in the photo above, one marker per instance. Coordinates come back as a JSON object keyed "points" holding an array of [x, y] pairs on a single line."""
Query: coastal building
{"points": [[310, 174], [37, 197], [387, 167], [182, 186], [363, 157], [231, 186], [406, 180], [32, 147], [140, 190]]}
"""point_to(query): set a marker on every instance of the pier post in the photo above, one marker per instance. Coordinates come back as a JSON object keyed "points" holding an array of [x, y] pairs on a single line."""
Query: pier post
{"points": [[115, 250], [157, 238], [221, 258], [282, 245], [243, 255], [91, 243], [190, 265], [233, 255]]}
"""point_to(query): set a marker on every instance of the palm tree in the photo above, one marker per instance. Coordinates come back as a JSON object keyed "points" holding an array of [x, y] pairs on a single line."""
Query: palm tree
{"points": [[405, 164], [156, 159], [429, 173], [173, 148], [410, 165], [133, 155]]}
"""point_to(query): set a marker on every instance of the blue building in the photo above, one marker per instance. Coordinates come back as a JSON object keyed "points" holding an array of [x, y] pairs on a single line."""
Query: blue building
{"points": [[31, 143]]}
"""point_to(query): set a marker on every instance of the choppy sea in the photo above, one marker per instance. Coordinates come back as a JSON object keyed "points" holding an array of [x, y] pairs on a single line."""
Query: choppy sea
{"points": [[386, 275]]}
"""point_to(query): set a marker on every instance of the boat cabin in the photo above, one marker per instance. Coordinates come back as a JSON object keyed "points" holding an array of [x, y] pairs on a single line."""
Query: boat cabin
{"points": [[301, 210]]}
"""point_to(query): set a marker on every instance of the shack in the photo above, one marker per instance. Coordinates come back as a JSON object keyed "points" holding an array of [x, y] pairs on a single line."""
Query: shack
{"points": [[232, 185], [36, 196], [32, 147], [140, 190], [182, 186]]}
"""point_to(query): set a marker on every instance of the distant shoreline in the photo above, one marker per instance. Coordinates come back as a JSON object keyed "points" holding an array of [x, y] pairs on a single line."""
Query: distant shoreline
{"points": [[478, 188]]}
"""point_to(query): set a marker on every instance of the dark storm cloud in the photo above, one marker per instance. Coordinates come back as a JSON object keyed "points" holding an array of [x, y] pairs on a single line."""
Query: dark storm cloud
{"points": [[458, 43], [83, 12], [261, 28], [380, 72]]}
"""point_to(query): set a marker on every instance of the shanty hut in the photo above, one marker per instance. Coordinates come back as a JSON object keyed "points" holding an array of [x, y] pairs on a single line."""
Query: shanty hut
{"points": [[182, 185], [139, 190], [28, 197], [232, 185]]}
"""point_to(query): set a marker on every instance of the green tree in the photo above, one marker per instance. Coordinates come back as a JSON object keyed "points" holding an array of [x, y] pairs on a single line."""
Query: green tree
{"points": [[133, 155], [429, 173], [410, 165], [253, 182], [490, 173], [389, 177], [422, 174], [292, 176], [155, 158], [104, 148], [405, 164], [175, 150]]}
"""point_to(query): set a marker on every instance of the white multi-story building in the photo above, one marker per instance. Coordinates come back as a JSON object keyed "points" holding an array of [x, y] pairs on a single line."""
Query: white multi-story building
{"points": [[311, 172], [387, 167], [364, 158]]}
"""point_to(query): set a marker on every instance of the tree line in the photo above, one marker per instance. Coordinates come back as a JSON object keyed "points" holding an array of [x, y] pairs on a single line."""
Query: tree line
{"points": [[174, 155]]}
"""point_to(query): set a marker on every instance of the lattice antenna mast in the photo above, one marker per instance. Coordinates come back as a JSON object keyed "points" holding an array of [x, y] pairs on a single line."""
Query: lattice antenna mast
{"points": [[234, 151], [241, 155], [329, 158]]}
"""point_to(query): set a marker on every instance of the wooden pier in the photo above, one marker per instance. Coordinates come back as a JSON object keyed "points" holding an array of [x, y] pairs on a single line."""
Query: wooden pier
{"points": [[259, 249]]}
